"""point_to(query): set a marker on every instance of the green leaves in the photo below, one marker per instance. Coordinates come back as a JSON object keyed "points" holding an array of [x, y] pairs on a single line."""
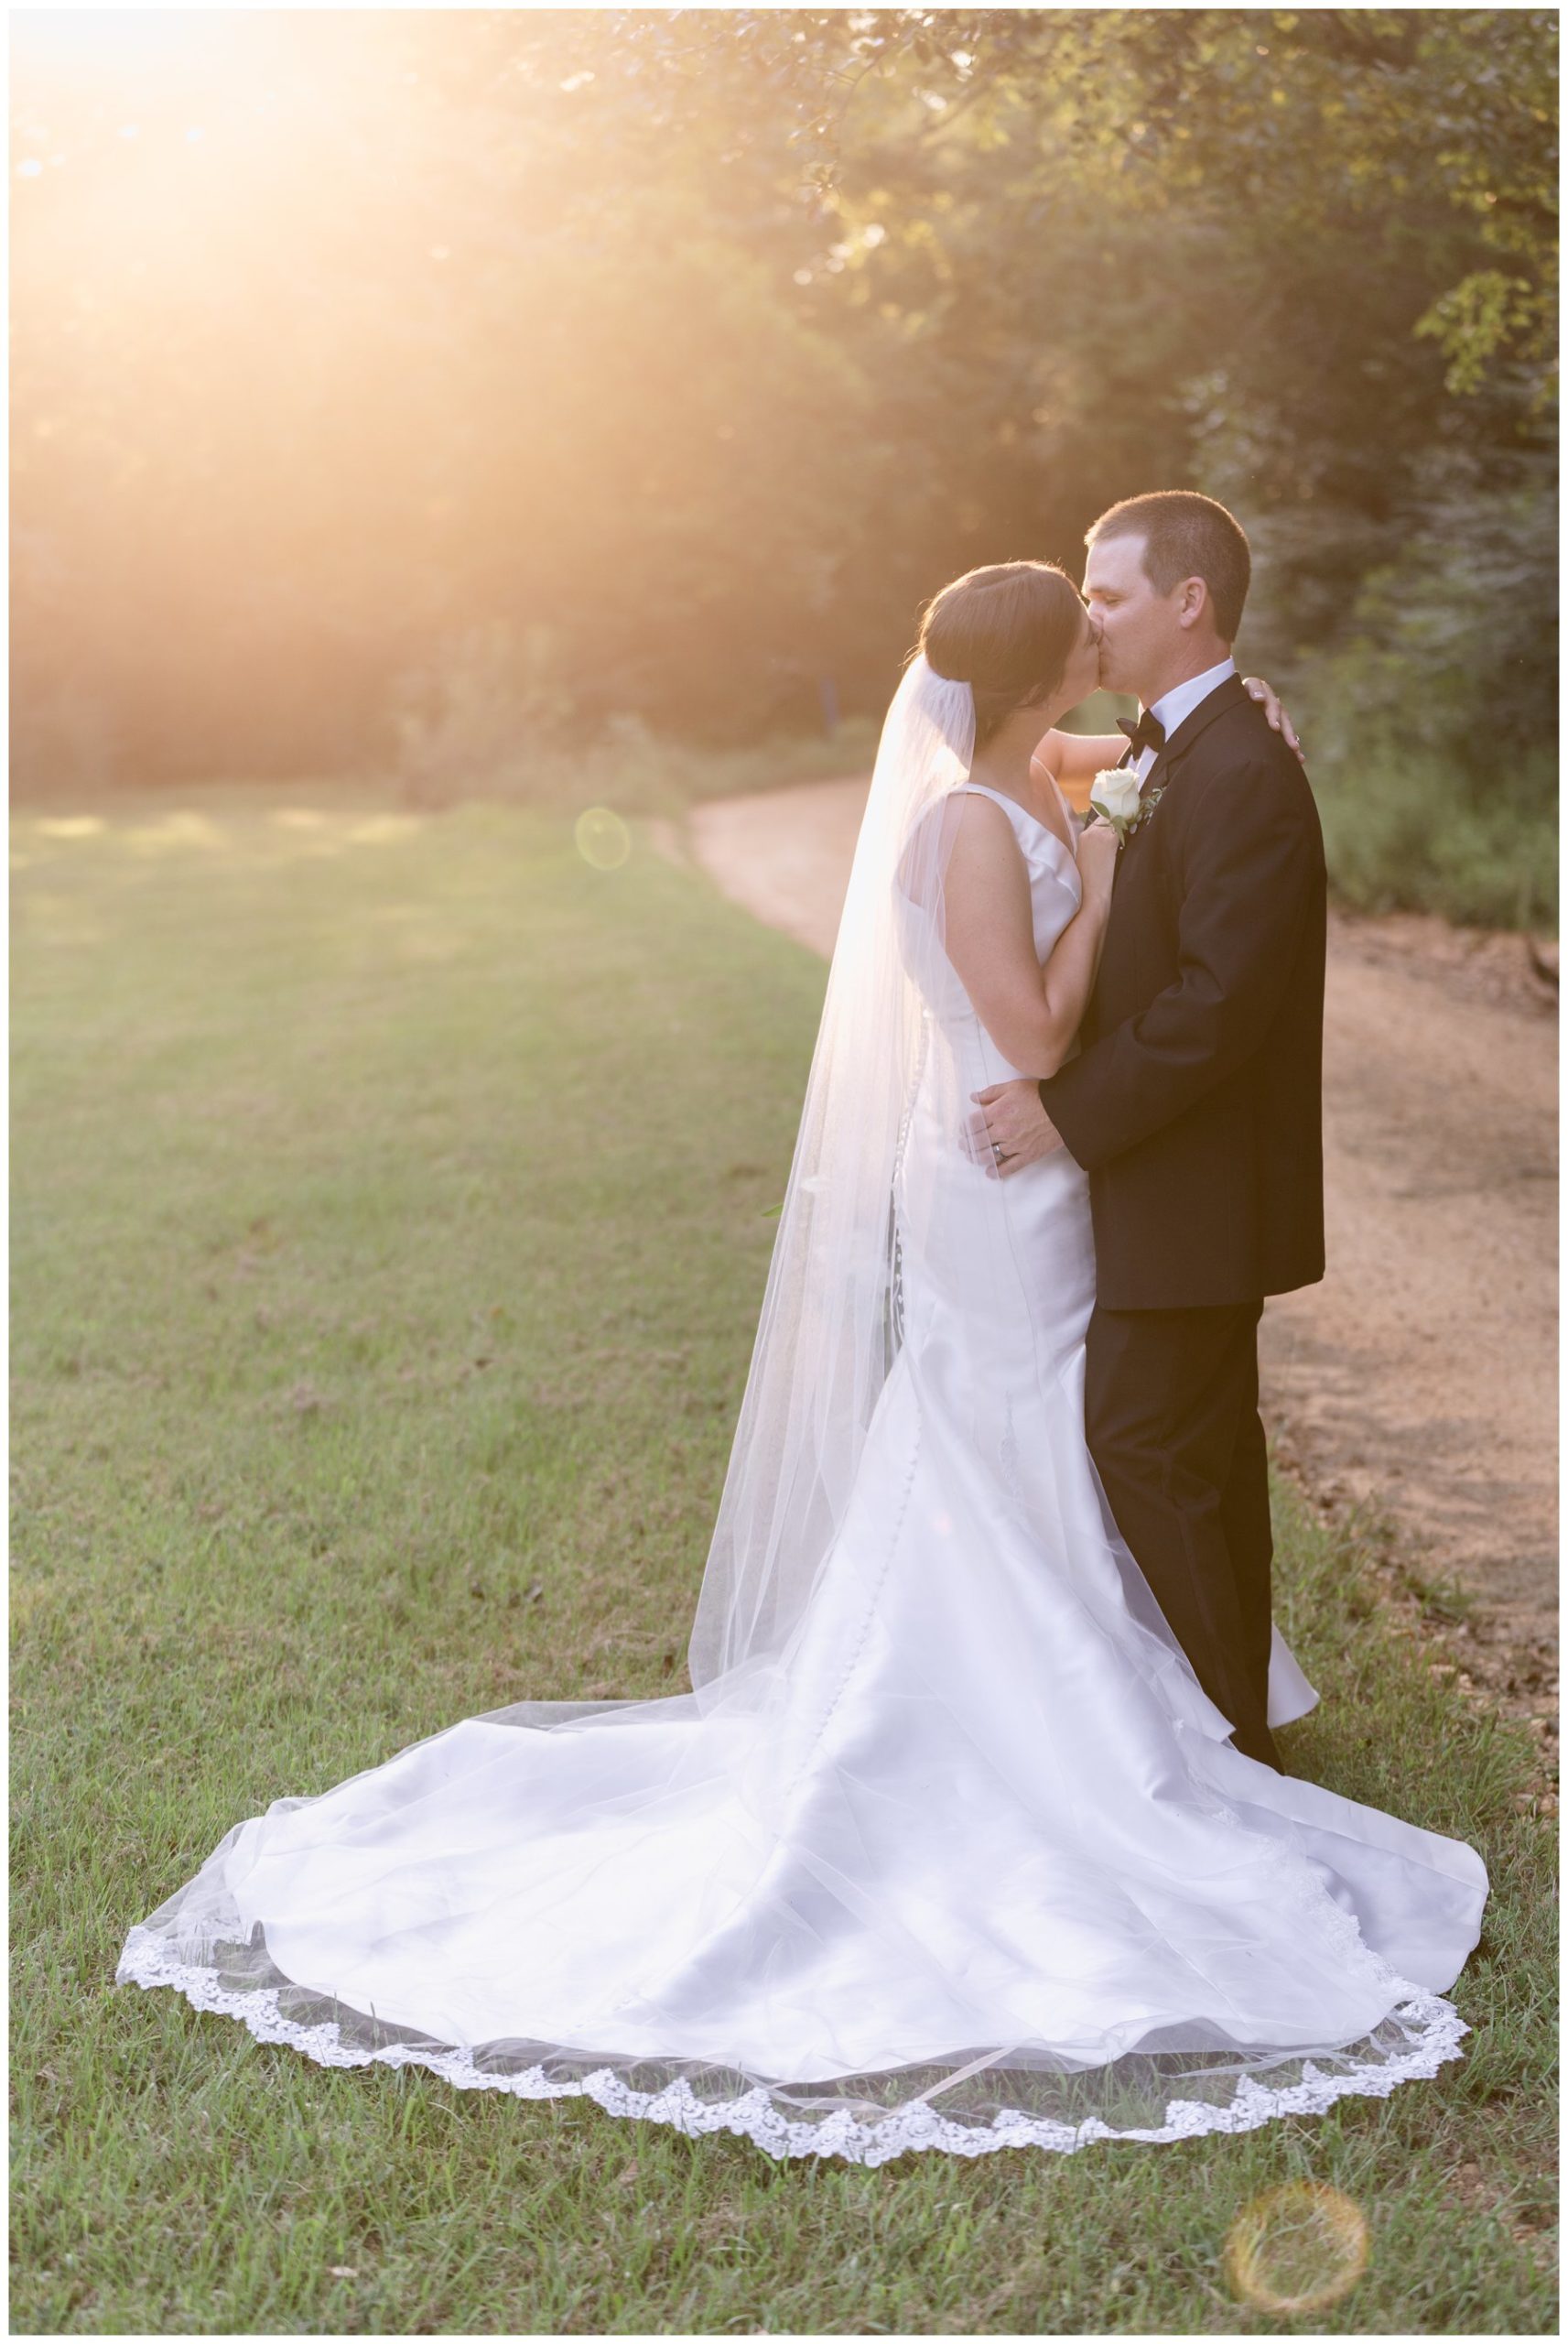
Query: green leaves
{"points": [[1484, 314], [659, 363]]}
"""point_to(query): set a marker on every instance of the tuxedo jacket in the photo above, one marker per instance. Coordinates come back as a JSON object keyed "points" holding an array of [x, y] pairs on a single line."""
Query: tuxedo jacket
{"points": [[1195, 1101]]}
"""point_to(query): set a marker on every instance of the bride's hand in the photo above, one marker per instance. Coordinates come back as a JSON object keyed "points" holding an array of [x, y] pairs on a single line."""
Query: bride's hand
{"points": [[1098, 849], [1268, 700]]}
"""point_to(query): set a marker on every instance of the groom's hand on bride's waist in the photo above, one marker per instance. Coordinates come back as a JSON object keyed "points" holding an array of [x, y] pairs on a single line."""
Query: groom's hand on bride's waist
{"points": [[1011, 1128]]}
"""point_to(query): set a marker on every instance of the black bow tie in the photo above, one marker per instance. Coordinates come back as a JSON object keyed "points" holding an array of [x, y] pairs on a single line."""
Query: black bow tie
{"points": [[1147, 734]]}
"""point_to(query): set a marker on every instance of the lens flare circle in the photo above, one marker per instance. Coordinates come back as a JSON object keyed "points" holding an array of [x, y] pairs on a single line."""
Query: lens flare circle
{"points": [[1297, 2248], [603, 838]]}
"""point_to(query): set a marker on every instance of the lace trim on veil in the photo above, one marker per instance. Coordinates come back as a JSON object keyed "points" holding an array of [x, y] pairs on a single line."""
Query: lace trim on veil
{"points": [[1156, 2091], [1433, 2029]]}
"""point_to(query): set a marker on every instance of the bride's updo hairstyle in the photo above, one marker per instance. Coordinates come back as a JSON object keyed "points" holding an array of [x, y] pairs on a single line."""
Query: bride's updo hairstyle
{"points": [[1007, 631]]}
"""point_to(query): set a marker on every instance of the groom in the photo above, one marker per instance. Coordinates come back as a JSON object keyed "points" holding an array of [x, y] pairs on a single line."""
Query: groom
{"points": [[1195, 1102]]}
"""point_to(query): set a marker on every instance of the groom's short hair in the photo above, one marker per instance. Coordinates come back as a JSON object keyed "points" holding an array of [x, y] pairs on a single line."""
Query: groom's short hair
{"points": [[1186, 536]]}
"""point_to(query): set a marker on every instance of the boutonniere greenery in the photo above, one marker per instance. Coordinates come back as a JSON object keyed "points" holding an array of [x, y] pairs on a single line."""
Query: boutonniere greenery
{"points": [[1115, 797]]}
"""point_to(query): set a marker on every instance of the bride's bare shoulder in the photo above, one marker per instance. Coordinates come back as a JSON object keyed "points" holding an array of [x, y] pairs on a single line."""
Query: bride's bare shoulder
{"points": [[983, 837]]}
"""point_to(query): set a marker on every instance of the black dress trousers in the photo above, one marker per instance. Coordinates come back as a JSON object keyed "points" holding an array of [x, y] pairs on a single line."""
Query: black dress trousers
{"points": [[1171, 1405]]}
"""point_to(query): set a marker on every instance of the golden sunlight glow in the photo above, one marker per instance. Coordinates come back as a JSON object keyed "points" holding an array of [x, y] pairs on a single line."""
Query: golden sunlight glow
{"points": [[603, 838], [1297, 2248]]}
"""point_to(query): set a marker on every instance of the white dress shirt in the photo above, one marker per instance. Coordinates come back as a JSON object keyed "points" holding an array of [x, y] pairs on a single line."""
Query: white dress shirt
{"points": [[1174, 708]]}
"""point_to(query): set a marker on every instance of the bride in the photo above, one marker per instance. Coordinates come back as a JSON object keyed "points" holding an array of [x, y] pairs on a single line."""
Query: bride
{"points": [[946, 1848]]}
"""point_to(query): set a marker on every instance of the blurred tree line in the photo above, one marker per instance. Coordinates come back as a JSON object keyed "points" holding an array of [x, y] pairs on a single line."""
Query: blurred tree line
{"points": [[476, 382]]}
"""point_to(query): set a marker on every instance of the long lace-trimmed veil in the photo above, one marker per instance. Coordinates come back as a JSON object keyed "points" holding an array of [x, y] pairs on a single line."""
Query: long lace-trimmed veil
{"points": [[829, 1326]]}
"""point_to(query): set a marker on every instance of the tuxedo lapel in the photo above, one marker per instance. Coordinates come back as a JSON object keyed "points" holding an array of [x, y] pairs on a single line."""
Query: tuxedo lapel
{"points": [[1170, 757], [1191, 729]]}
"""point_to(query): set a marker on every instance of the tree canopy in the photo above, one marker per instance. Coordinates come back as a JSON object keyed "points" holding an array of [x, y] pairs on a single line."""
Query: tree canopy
{"points": [[679, 355]]}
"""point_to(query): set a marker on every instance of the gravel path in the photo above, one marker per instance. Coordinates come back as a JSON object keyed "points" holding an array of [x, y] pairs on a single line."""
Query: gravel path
{"points": [[1419, 1378]]}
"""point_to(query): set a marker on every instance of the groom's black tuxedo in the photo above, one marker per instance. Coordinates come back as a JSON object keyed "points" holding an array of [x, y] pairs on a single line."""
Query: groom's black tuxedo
{"points": [[1196, 1107]]}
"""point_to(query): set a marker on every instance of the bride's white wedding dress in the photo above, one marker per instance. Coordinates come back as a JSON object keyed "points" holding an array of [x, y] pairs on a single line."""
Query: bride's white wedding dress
{"points": [[967, 1864]]}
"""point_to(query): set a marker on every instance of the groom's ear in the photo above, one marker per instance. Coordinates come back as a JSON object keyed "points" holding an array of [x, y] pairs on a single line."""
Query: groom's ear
{"points": [[1192, 599]]}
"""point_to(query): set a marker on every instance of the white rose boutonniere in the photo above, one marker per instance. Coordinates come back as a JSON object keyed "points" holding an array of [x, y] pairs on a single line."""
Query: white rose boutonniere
{"points": [[1115, 798]]}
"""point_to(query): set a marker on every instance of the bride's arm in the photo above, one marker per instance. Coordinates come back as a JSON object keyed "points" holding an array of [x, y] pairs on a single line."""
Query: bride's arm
{"points": [[1078, 756], [1031, 1014]]}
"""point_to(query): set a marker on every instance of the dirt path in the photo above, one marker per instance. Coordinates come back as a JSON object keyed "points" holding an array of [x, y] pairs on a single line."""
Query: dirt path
{"points": [[1421, 1376]]}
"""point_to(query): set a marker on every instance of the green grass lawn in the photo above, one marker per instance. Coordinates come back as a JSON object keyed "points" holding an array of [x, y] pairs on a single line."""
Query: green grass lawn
{"points": [[389, 1221]]}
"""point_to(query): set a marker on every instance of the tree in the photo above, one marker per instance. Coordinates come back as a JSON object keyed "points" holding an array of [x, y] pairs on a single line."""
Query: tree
{"points": [[695, 349]]}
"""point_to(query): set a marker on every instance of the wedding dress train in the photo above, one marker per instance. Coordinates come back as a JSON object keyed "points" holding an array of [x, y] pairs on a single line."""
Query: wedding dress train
{"points": [[967, 1864]]}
